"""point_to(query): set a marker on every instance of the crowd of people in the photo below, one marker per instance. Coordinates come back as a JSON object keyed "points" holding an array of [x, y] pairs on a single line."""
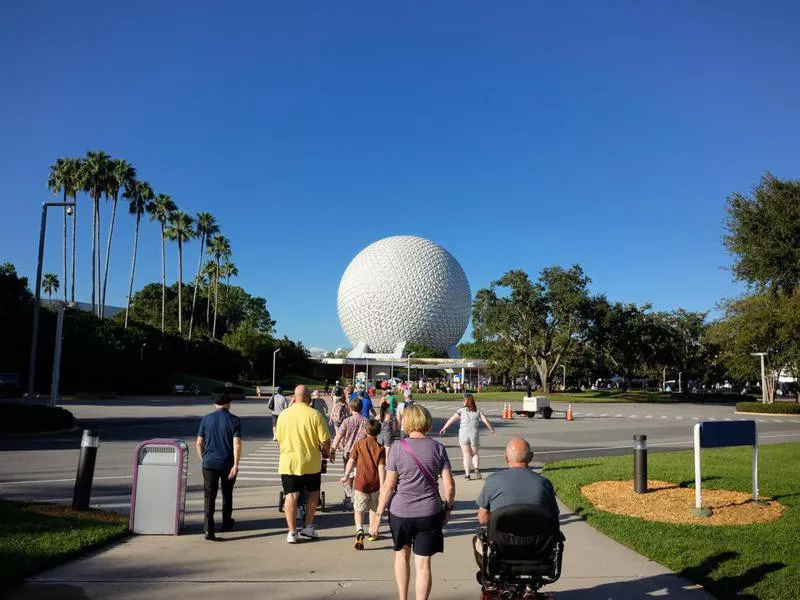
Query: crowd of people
{"points": [[392, 467]]}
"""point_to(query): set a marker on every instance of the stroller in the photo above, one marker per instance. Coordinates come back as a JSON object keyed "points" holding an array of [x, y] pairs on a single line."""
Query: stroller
{"points": [[519, 552]]}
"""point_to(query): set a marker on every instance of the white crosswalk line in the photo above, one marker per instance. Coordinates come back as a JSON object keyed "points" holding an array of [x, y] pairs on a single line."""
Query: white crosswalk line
{"points": [[604, 415], [728, 419], [679, 418], [618, 416], [663, 416], [648, 416], [777, 420], [632, 417]]}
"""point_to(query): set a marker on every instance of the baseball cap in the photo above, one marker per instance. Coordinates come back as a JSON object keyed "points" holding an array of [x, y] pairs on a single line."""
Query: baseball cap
{"points": [[278, 389]]}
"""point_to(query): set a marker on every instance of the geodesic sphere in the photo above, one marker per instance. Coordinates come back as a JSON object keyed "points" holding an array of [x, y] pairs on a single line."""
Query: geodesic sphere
{"points": [[404, 289]]}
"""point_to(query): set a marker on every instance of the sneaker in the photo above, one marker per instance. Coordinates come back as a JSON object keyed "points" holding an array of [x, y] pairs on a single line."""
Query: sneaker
{"points": [[292, 537], [309, 531], [478, 474], [228, 526], [466, 476], [372, 538], [359, 540]]}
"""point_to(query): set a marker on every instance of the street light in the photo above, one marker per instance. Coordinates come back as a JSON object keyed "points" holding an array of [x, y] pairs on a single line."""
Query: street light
{"points": [[763, 381], [410, 354], [141, 356], [37, 294], [274, 354]]}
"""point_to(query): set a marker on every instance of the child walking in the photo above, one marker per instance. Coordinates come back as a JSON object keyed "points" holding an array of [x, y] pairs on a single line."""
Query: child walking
{"points": [[388, 427], [369, 459]]}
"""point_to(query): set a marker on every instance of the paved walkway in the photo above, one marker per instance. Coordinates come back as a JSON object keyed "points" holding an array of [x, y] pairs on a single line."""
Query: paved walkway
{"points": [[255, 562]]}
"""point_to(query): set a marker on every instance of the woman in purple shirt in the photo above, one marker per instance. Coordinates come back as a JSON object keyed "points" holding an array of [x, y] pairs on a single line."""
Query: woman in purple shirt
{"points": [[416, 515]]}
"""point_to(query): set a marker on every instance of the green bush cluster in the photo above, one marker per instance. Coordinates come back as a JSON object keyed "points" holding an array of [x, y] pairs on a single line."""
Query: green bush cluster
{"points": [[20, 418], [775, 408]]}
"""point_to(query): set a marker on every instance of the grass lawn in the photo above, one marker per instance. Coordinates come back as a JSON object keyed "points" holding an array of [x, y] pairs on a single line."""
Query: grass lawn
{"points": [[35, 537], [589, 396], [745, 561]]}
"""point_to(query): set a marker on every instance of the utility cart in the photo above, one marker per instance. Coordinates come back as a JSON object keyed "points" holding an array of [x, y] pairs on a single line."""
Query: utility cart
{"points": [[535, 404]]}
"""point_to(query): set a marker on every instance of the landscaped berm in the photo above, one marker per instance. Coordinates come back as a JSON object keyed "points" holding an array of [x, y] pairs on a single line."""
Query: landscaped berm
{"points": [[667, 502]]}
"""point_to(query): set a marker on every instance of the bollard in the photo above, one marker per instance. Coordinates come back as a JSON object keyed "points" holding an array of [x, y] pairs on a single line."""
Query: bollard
{"points": [[640, 463], [83, 480]]}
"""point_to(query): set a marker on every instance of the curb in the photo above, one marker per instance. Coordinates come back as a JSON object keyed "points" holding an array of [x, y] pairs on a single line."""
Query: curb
{"points": [[32, 434], [769, 414]]}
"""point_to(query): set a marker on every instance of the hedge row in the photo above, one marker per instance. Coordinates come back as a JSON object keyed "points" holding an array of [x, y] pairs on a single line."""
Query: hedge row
{"points": [[775, 408], [20, 418]]}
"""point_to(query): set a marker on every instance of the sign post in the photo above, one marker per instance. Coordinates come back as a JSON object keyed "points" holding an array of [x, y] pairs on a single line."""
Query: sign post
{"points": [[718, 434]]}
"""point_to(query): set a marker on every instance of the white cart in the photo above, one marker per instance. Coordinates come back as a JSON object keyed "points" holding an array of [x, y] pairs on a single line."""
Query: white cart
{"points": [[536, 404]]}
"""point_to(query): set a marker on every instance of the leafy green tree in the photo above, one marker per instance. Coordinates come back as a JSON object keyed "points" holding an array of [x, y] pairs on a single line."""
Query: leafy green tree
{"points": [[537, 323], [64, 177], [205, 226], [180, 230], [228, 270], [94, 178], [763, 231], [138, 198], [160, 209], [475, 349], [251, 344], [121, 176], [420, 351], [50, 284], [219, 247], [764, 322]]}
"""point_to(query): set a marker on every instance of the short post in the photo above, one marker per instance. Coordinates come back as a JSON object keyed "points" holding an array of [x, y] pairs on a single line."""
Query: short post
{"points": [[640, 463], [83, 480]]}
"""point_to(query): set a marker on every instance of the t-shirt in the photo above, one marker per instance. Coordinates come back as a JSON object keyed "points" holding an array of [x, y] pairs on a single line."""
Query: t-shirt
{"points": [[469, 420], [300, 432], [352, 429], [414, 495], [218, 430], [517, 486], [368, 455], [280, 403], [388, 432], [366, 406]]}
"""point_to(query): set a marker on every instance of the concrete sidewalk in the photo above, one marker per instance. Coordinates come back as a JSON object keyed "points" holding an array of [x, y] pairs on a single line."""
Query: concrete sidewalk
{"points": [[255, 562]]}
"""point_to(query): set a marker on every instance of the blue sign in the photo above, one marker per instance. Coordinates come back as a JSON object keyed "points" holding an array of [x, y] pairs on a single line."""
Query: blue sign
{"points": [[717, 434]]}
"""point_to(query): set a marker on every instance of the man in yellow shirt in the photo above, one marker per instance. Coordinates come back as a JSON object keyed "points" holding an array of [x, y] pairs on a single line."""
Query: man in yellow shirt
{"points": [[303, 439]]}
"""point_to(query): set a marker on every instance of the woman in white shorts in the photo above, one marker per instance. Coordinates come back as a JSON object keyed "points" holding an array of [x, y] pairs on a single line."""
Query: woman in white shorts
{"points": [[468, 434]]}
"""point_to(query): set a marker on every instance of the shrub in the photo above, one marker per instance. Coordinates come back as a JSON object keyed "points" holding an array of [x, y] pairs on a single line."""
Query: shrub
{"points": [[20, 418], [775, 408]]}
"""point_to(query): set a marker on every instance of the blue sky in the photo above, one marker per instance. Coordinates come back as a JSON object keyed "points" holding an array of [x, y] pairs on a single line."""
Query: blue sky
{"points": [[515, 134]]}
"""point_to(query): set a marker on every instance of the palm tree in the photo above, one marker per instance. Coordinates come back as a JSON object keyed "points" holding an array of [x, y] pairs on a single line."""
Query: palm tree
{"points": [[122, 175], [219, 247], [228, 270], [180, 230], [160, 209], [64, 178], [138, 199], [209, 273], [94, 181], [205, 226], [50, 284]]}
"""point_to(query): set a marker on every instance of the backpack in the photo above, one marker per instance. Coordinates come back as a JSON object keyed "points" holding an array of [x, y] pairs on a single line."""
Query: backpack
{"points": [[338, 391]]}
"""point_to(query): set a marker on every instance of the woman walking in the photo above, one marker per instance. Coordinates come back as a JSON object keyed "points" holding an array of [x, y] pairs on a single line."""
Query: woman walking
{"points": [[417, 512], [468, 434], [339, 412]]}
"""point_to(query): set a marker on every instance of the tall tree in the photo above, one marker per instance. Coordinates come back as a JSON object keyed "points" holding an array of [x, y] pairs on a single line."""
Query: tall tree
{"points": [[539, 322], [122, 176], [95, 173], [64, 177], [763, 231], [160, 209], [219, 247], [209, 274], [205, 226], [180, 230], [229, 270], [50, 284], [139, 197]]}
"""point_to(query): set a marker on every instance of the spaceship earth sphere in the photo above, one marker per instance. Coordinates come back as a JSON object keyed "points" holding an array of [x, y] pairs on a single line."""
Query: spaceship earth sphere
{"points": [[404, 289]]}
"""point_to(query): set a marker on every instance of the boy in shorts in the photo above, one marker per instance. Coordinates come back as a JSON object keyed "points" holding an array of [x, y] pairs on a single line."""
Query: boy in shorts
{"points": [[369, 459]]}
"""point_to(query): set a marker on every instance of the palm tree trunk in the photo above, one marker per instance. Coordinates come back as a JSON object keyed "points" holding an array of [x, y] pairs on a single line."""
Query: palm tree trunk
{"points": [[108, 255], [133, 266], [208, 307], [66, 273], [74, 227], [94, 249], [196, 284], [180, 282], [216, 302], [163, 278], [97, 258]]}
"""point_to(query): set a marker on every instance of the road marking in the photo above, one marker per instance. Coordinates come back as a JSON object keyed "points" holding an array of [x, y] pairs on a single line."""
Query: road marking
{"points": [[728, 419], [72, 479], [679, 418], [633, 416], [604, 415], [777, 420], [663, 416], [618, 416], [648, 416]]}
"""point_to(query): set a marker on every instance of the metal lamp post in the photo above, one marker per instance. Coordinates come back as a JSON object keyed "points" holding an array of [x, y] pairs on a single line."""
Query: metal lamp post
{"points": [[37, 293], [564, 381], [410, 354], [274, 354], [763, 381]]}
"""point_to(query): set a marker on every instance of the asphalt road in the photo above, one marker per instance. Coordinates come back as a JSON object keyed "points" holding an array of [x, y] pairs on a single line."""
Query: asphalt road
{"points": [[43, 468]]}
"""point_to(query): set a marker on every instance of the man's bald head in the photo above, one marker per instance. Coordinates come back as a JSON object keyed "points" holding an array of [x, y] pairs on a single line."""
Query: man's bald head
{"points": [[301, 394], [518, 452]]}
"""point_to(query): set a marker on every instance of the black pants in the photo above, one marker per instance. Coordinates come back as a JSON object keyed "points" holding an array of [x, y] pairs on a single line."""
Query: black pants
{"points": [[212, 478]]}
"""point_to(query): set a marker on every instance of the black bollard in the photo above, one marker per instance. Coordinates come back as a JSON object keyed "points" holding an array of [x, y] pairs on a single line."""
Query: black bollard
{"points": [[640, 463], [83, 480]]}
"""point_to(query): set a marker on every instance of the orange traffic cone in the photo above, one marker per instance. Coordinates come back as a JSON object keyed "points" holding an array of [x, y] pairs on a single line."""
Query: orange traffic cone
{"points": [[569, 413], [510, 411], [505, 411]]}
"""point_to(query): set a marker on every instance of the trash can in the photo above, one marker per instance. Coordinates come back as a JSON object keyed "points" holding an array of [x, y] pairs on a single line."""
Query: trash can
{"points": [[158, 496]]}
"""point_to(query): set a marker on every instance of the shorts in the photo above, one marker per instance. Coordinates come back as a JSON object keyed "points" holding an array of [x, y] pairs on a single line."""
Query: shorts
{"points": [[301, 483], [423, 534], [469, 438], [365, 501]]}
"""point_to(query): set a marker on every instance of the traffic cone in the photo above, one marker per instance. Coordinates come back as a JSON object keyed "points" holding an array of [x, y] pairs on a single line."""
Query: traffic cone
{"points": [[505, 410], [569, 413], [510, 411]]}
